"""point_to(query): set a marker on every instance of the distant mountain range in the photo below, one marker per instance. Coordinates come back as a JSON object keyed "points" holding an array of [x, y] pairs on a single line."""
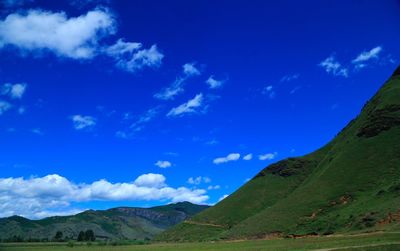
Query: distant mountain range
{"points": [[351, 184], [116, 223]]}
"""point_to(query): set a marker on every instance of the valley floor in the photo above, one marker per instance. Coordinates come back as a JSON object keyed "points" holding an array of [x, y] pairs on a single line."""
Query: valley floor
{"points": [[375, 241]]}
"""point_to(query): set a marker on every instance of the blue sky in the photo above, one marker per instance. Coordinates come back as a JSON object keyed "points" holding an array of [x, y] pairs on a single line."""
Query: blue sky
{"points": [[141, 103]]}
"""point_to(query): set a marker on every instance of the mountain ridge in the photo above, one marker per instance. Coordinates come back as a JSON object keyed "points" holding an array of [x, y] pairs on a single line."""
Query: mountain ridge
{"points": [[113, 223]]}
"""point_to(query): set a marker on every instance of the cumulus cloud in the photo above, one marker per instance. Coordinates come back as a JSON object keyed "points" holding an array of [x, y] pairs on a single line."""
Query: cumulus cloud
{"points": [[198, 180], [228, 158], [214, 83], [191, 106], [53, 193], [163, 163], [14, 91], [150, 180], [170, 92], [4, 106], [332, 66], [268, 156], [38, 31], [248, 156], [81, 122], [75, 37]]}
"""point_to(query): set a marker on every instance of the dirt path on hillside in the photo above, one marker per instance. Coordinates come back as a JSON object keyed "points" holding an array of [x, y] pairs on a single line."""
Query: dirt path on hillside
{"points": [[203, 224]]}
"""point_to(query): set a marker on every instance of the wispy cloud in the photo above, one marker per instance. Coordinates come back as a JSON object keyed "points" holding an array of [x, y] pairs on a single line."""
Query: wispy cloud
{"points": [[290, 77], [4, 106], [332, 66], [269, 91], [198, 180], [230, 157], [191, 106], [139, 124], [362, 59], [268, 156], [81, 122], [169, 93]]}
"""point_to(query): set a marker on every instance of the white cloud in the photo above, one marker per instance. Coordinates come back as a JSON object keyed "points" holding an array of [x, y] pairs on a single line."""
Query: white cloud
{"points": [[4, 106], [151, 58], [74, 37], [81, 122], [14, 91], [367, 55], [228, 158], [53, 194], [223, 197], [295, 90], [169, 93], [268, 156], [248, 156], [288, 78], [163, 163], [191, 106], [332, 66], [150, 180], [216, 187], [121, 48], [362, 59], [37, 131], [198, 180], [268, 90], [214, 83], [139, 124], [189, 69]]}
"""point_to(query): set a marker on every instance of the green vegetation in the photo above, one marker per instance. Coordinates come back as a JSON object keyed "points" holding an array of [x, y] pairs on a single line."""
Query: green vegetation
{"points": [[377, 241], [113, 224], [352, 184]]}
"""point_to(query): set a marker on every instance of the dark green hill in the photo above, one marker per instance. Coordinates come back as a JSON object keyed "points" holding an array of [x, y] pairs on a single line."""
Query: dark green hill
{"points": [[351, 184], [116, 223]]}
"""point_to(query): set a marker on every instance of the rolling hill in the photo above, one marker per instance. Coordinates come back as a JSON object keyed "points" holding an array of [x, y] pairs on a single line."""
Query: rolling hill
{"points": [[116, 223], [351, 184]]}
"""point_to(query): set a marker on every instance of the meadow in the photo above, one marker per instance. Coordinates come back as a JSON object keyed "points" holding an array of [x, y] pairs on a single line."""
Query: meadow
{"points": [[372, 241]]}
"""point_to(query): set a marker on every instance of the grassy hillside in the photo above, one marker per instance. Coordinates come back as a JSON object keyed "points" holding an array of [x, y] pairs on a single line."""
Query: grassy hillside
{"points": [[116, 223], [351, 184]]}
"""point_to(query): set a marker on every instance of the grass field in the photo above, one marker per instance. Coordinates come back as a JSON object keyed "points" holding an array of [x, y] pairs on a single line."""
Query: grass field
{"points": [[375, 241]]}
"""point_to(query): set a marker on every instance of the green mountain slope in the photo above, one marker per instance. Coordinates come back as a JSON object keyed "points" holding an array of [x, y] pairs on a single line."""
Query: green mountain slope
{"points": [[350, 184], [116, 223]]}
